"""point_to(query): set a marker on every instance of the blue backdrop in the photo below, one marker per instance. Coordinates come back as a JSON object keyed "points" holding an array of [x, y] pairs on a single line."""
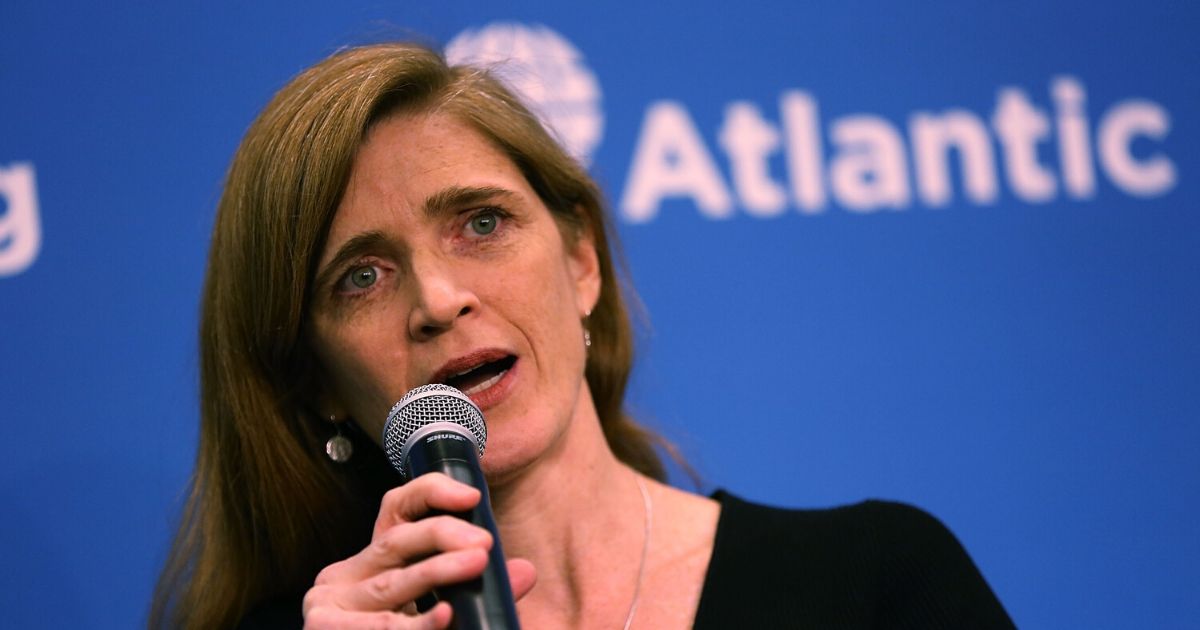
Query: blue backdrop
{"points": [[938, 252]]}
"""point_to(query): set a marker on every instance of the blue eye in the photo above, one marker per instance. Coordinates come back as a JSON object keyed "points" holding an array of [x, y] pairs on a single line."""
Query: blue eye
{"points": [[484, 223], [363, 277]]}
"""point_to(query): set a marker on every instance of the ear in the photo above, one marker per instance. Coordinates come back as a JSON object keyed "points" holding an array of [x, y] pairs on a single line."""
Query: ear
{"points": [[327, 410], [584, 266], [324, 403]]}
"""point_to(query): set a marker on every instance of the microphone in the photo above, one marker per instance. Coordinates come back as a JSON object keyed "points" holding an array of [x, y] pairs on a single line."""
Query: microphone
{"points": [[436, 428]]}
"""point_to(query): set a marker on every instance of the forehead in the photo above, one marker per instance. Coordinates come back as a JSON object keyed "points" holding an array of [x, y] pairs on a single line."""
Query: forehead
{"points": [[411, 156]]}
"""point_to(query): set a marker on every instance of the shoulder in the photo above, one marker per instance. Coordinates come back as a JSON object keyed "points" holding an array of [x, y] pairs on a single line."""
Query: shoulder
{"points": [[870, 528], [861, 517], [871, 564], [850, 542]]}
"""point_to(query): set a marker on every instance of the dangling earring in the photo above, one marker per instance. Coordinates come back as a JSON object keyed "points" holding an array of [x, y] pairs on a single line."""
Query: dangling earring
{"points": [[587, 334], [339, 448]]}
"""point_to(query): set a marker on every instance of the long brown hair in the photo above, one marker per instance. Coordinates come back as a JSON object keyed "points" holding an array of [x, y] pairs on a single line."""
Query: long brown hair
{"points": [[266, 508]]}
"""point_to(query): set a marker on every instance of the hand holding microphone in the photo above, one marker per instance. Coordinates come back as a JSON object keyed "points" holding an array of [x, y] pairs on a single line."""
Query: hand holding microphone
{"points": [[434, 533], [436, 428]]}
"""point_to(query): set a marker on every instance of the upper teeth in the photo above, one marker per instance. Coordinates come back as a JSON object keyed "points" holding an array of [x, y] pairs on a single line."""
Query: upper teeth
{"points": [[485, 384], [470, 369]]}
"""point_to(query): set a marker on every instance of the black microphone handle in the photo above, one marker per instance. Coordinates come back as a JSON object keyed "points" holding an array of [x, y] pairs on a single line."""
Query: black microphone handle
{"points": [[486, 602]]}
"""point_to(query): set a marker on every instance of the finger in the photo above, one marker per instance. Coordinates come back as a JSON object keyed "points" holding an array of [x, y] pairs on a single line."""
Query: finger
{"points": [[419, 497], [392, 588], [521, 576], [405, 544], [326, 618]]}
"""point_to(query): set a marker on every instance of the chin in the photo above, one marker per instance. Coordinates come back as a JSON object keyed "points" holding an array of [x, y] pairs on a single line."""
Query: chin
{"points": [[506, 460], [500, 471]]}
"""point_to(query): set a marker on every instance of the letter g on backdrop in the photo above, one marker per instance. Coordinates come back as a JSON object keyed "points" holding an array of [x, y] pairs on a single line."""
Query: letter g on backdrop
{"points": [[20, 229]]}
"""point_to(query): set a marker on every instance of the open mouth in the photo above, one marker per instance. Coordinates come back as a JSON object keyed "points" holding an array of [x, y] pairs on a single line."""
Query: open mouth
{"points": [[480, 377]]}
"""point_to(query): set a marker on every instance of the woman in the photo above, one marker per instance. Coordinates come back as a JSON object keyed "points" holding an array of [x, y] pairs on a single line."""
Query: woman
{"points": [[388, 222]]}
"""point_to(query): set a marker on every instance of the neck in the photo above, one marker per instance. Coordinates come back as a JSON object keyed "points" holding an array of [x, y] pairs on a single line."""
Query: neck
{"points": [[566, 513]]}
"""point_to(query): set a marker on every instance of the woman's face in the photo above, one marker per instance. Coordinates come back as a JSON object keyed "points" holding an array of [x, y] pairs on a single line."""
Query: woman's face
{"points": [[443, 265]]}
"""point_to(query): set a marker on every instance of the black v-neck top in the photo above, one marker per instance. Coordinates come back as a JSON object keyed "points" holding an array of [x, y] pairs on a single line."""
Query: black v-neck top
{"points": [[870, 565]]}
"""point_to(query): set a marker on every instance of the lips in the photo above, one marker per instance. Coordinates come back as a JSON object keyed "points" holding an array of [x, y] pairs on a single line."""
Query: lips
{"points": [[476, 373]]}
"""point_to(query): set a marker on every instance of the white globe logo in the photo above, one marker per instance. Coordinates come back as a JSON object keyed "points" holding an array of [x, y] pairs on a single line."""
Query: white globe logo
{"points": [[546, 72]]}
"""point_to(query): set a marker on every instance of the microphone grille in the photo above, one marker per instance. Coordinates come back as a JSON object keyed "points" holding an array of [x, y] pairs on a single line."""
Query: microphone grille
{"points": [[426, 405]]}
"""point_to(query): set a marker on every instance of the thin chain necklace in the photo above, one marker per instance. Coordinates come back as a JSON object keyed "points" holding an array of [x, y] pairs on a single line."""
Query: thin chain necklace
{"points": [[649, 511]]}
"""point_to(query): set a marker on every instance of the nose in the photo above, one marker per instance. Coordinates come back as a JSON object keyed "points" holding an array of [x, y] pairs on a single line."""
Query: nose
{"points": [[442, 297]]}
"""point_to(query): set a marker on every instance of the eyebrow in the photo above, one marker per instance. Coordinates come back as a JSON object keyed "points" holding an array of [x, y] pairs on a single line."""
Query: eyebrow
{"points": [[453, 198], [351, 249]]}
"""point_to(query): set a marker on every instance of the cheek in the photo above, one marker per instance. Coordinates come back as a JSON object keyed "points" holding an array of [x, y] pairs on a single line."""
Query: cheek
{"points": [[547, 276], [551, 305], [357, 380], [544, 295]]}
